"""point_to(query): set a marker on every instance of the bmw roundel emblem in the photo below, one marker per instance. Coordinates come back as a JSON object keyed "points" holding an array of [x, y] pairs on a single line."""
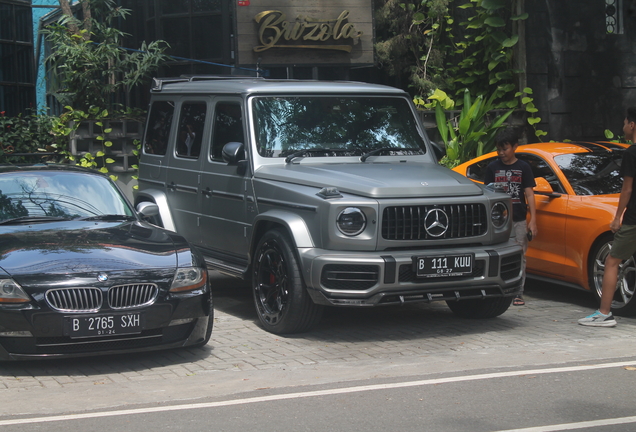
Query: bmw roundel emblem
{"points": [[102, 277]]}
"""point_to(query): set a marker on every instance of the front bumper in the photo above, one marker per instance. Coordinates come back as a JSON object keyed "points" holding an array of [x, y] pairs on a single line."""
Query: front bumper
{"points": [[180, 322], [387, 277]]}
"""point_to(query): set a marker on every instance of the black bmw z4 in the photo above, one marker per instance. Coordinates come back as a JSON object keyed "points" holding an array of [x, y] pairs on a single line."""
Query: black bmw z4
{"points": [[82, 273]]}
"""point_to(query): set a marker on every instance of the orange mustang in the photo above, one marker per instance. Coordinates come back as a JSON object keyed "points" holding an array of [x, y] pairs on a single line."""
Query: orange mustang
{"points": [[578, 185]]}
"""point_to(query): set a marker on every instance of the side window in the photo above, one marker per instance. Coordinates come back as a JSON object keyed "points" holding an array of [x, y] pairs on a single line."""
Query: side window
{"points": [[191, 122], [228, 127], [540, 168], [477, 171], [158, 130]]}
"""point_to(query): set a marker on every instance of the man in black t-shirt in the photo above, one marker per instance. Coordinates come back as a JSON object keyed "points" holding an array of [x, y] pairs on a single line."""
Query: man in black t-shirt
{"points": [[516, 178], [624, 228]]}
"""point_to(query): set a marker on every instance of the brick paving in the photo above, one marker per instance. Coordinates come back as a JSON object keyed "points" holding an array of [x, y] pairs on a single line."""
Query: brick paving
{"points": [[389, 340]]}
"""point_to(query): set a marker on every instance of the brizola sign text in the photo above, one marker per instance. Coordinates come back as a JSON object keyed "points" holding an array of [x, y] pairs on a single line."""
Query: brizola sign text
{"points": [[274, 27]]}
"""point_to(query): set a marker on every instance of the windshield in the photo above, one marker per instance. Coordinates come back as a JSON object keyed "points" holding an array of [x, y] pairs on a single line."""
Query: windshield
{"points": [[335, 126], [60, 195], [592, 173]]}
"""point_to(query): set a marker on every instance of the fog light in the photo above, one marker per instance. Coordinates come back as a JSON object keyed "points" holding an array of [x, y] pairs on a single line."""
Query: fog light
{"points": [[180, 321]]}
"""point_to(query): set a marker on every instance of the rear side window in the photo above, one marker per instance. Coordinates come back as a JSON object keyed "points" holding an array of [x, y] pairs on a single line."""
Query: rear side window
{"points": [[158, 130], [191, 122]]}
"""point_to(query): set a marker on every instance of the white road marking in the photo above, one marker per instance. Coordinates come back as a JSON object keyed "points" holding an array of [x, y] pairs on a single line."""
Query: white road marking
{"points": [[573, 426], [358, 389]]}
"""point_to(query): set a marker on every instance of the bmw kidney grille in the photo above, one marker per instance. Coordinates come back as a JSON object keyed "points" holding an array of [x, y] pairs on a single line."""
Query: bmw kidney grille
{"points": [[91, 299]]}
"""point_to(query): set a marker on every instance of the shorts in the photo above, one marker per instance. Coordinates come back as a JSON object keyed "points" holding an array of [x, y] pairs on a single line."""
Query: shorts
{"points": [[624, 245]]}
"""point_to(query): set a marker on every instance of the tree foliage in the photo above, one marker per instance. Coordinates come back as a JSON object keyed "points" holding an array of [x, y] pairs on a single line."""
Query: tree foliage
{"points": [[450, 45], [409, 40], [89, 66]]}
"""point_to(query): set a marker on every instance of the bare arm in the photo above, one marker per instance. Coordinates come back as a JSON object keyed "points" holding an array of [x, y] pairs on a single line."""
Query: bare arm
{"points": [[532, 225], [626, 193]]}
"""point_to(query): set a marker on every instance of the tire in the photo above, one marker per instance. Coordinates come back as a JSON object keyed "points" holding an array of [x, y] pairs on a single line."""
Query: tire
{"points": [[624, 303], [208, 330], [480, 308], [282, 303]]}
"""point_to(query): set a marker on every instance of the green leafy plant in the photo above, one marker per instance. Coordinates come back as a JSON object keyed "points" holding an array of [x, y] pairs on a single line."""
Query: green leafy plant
{"points": [[24, 136], [89, 66], [68, 123], [451, 45], [609, 135], [482, 50], [472, 132], [527, 101], [409, 40]]}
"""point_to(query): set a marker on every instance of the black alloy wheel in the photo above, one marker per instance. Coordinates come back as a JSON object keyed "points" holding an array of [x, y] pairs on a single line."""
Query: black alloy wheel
{"points": [[282, 302]]}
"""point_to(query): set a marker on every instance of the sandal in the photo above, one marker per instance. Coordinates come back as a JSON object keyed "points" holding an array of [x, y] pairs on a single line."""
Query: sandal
{"points": [[518, 301]]}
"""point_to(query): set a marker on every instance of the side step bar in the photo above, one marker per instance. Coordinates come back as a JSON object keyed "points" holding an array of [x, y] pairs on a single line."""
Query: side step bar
{"points": [[224, 267]]}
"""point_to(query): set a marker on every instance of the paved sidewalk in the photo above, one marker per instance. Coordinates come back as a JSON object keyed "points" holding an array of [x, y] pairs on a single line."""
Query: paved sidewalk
{"points": [[349, 344]]}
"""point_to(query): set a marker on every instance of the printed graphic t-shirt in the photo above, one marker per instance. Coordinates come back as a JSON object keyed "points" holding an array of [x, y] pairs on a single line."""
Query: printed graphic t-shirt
{"points": [[514, 178]]}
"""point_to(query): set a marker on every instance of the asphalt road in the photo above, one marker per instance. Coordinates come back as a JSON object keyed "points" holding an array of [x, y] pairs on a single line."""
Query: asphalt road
{"points": [[400, 368]]}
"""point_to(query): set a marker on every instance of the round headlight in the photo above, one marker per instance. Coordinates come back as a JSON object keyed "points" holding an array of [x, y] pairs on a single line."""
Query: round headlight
{"points": [[499, 214], [351, 221]]}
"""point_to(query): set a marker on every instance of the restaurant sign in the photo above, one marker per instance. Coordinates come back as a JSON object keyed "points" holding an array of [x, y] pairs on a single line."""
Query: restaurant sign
{"points": [[318, 32], [275, 32]]}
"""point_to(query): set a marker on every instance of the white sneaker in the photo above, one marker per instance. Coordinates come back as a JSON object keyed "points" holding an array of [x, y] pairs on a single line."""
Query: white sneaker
{"points": [[598, 319]]}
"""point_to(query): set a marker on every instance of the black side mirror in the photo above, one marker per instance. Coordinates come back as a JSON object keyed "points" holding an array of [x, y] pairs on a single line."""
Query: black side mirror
{"points": [[233, 152]]}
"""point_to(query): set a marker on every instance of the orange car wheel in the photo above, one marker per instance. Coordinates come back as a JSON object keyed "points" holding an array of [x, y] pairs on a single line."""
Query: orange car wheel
{"points": [[624, 302]]}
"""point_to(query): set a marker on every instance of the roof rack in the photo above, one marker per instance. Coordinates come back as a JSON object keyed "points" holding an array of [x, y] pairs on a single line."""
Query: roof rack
{"points": [[217, 77], [157, 83]]}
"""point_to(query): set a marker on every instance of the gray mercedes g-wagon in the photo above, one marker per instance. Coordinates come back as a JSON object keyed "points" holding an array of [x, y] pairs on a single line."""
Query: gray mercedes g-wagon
{"points": [[323, 194]]}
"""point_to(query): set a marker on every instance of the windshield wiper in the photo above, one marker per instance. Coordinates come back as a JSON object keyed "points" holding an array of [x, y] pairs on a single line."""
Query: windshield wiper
{"points": [[299, 153], [32, 219], [365, 156], [108, 217], [327, 151]]}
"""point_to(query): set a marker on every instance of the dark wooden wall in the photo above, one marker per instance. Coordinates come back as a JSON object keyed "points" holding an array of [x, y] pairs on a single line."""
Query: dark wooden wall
{"points": [[583, 78]]}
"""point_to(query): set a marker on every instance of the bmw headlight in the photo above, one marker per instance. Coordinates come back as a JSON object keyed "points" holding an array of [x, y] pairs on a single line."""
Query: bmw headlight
{"points": [[499, 214], [351, 221], [12, 292], [188, 279]]}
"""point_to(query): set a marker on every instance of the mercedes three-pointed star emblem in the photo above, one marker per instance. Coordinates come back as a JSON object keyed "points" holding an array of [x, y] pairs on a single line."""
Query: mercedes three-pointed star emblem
{"points": [[436, 222]]}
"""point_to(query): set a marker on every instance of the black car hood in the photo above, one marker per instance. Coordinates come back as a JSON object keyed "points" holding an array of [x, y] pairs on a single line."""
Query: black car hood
{"points": [[80, 247]]}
